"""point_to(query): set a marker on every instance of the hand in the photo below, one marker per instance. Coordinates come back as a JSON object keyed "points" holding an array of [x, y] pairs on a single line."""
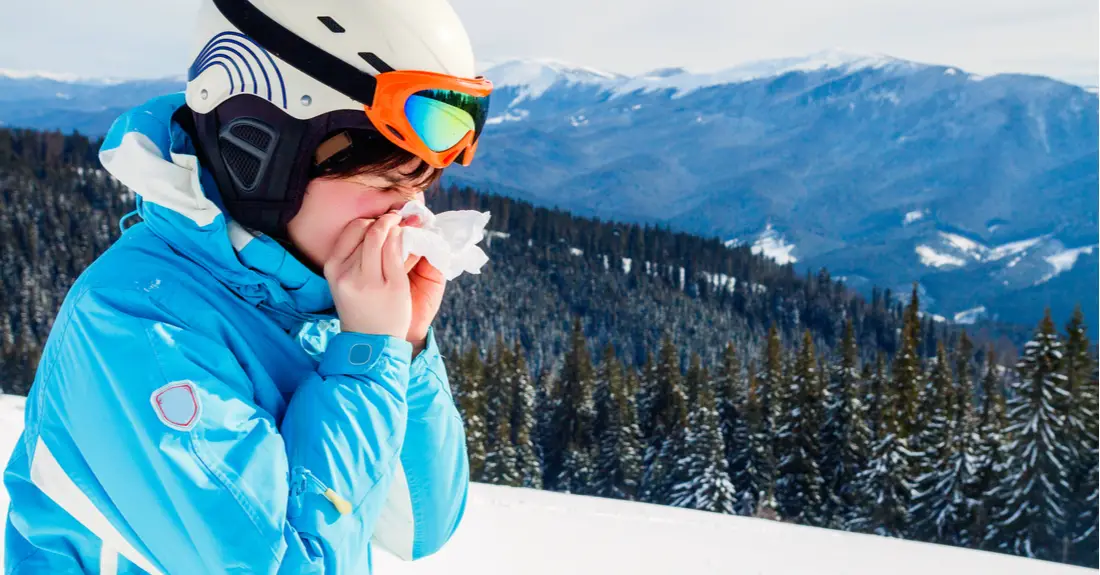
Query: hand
{"points": [[426, 285], [367, 278]]}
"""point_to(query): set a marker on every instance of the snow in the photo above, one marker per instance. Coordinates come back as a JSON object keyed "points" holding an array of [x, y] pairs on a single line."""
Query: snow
{"points": [[514, 530], [626, 265], [969, 316], [773, 245], [534, 77], [966, 245], [511, 115], [65, 78], [981, 253], [914, 216], [932, 258], [1064, 261], [576, 252], [950, 72]]}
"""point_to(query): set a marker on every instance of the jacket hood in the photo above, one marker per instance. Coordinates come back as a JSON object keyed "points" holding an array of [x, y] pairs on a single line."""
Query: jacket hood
{"points": [[178, 200]]}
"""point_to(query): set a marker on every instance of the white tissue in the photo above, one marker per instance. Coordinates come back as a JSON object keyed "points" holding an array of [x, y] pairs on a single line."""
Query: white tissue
{"points": [[446, 239]]}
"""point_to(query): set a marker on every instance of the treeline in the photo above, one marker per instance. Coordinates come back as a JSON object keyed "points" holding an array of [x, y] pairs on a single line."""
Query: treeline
{"points": [[946, 450]]}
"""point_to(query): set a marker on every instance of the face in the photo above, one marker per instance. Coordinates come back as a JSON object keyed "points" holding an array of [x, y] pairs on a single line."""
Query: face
{"points": [[330, 205]]}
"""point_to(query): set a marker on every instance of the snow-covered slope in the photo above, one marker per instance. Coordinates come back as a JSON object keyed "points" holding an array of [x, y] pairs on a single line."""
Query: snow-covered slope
{"points": [[510, 531]]}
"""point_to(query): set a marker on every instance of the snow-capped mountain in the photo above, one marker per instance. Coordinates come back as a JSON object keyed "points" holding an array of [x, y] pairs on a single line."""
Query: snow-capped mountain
{"points": [[884, 170]]}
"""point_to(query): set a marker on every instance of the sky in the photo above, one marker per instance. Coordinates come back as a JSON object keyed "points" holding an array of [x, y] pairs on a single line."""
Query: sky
{"points": [[1058, 38]]}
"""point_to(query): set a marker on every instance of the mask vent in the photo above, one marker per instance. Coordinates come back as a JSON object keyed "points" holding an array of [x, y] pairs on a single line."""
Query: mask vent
{"points": [[247, 146]]}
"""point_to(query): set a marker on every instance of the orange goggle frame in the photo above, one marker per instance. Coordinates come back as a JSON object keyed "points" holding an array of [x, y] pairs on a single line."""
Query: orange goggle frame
{"points": [[437, 117]]}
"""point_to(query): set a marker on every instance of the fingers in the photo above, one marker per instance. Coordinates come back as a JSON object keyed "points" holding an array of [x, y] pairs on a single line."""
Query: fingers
{"points": [[410, 262], [346, 244], [373, 242], [393, 267], [427, 271]]}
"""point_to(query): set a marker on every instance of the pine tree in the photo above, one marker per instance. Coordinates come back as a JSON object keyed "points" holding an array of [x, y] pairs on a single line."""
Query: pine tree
{"points": [[528, 467], [706, 485], [668, 419], [572, 446], [471, 402], [799, 483], [1080, 539], [876, 387], [619, 464], [1033, 522], [987, 450], [939, 509], [845, 437], [907, 377], [731, 399], [884, 483], [760, 482], [500, 456]]}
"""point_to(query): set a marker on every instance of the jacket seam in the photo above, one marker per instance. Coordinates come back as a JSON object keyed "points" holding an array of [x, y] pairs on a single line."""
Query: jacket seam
{"points": [[225, 484], [47, 375]]}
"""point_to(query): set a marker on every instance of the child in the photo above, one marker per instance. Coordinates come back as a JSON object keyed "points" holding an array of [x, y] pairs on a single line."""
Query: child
{"points": [[196, 409]]}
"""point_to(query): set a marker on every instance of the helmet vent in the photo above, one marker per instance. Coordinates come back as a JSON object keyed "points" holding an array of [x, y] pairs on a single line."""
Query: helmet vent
{"points": [[331, 24], [247, 146]]}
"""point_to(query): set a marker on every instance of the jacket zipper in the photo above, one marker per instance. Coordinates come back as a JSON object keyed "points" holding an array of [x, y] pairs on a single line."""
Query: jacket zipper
{"points": [[308, 482]]}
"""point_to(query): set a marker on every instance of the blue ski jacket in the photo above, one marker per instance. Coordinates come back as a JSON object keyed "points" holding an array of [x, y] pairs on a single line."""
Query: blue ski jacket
{"points": [[197, 410]]}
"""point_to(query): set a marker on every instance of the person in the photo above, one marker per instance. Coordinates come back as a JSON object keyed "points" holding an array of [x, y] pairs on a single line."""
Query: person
{"points": [[247, 381]]}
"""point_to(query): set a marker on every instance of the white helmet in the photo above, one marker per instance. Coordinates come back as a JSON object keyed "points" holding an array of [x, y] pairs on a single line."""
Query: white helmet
{"points": [[272, 79]]}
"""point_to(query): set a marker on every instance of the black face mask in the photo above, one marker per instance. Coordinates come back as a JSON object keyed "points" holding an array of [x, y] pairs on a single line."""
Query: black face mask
{"points": [[261, 158]]}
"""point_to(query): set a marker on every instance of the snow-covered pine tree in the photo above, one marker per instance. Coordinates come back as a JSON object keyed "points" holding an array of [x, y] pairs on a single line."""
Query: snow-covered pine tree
{"points": [[986, 452], [500, 456], [877, 385], [799, 482], [758, 480], [1033, 522], [731, 397], [668, 420], [528, 466], [964, 435], [907, 380], [569, 464], [772, 380], [546, 402], [619, 464], [939, 509], [845, 436], [706, 485], [907, 373], [884, 484], [470, 400], [1081, 429]]}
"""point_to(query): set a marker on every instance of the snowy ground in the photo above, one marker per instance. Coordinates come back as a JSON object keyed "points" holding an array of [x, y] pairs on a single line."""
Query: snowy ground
{"points": [[520, 531]]}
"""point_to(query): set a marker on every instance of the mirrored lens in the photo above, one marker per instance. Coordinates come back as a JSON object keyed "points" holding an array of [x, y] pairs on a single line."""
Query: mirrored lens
{"points": [[442, 117]]}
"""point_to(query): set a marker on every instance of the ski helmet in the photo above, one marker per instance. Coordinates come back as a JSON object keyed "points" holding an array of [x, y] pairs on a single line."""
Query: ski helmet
{"points": [[271, 80]]}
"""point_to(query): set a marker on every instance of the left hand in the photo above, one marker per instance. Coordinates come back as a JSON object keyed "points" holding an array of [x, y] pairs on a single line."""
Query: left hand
{"points": [[426, 285]]}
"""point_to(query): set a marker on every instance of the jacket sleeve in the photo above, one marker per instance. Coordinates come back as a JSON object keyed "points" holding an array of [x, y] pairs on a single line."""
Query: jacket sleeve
{"points": [[221, 490], [428, 496]]}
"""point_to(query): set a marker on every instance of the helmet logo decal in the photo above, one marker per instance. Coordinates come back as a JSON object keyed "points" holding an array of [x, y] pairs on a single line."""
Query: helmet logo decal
{"points": [[237, 54]]}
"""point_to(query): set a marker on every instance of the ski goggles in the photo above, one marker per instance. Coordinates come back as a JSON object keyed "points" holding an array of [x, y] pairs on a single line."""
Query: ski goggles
{"points": [[437, 117]]}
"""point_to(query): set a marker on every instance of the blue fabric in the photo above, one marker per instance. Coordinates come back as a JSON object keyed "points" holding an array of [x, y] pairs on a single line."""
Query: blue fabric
{"points": [[294, 419]]}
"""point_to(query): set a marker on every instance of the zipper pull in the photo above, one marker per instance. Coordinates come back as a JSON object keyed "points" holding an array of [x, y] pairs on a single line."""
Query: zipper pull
{"points": [[342, 505]]}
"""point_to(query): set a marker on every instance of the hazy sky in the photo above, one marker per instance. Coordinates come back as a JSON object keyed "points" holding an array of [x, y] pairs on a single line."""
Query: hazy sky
{"points": [[142, 38]]}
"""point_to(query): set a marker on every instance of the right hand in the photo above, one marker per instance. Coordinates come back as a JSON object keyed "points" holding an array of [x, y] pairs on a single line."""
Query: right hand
{"points": [[367, 277]]}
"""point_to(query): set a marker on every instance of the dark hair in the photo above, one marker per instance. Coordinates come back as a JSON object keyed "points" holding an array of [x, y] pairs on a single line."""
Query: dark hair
{"points": [[367, 153]]}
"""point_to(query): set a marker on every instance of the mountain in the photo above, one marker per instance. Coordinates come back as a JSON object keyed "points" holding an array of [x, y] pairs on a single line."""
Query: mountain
{"points": [[59, 102], [874, 167], [513, 530]]}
